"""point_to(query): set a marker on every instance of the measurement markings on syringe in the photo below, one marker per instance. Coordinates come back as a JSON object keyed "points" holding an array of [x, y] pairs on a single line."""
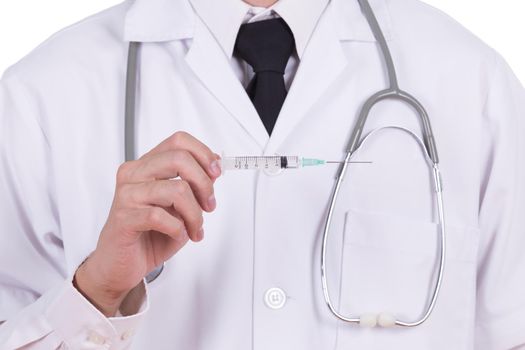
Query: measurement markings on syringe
{"points": [[273, 163]]}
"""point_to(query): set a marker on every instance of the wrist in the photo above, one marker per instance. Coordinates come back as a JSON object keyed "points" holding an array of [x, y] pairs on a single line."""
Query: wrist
{"points": [[97, 292]]}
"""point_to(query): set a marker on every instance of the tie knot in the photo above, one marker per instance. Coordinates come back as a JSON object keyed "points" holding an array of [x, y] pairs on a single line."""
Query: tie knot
{"points": [[265, 45]]}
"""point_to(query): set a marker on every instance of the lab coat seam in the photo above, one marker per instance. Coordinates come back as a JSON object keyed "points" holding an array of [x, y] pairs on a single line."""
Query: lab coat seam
{"points": [[133, 33], [484, 107], [492, 77], [496, 68], [11, 76], [135, 36], [518, 158], [500, 325], [30, 119]]}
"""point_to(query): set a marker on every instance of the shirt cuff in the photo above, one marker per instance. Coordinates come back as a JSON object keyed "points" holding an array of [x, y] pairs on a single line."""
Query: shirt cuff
{"points": [[82, 326]]}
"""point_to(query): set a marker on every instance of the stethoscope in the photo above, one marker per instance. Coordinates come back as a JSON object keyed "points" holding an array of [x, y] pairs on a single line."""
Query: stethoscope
{"points": [[356, 141]]}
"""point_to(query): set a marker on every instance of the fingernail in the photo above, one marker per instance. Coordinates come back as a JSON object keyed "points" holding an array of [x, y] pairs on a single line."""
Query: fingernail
{"points": [[216, 167], [201, 234], [212, 202]]}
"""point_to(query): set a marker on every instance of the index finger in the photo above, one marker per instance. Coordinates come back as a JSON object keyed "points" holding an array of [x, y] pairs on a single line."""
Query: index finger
{"points": [[181, 140]]}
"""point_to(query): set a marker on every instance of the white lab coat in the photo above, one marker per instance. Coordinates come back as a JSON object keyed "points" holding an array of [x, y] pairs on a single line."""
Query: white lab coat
{"points": [[62, 129]]}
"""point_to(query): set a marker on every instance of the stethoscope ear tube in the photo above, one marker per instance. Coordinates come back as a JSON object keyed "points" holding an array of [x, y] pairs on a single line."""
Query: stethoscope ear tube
{"points": [[131, 93], [129, 122]]}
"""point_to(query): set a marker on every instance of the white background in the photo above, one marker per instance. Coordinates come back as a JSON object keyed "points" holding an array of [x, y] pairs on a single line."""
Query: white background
{"points": [[26, 23]]}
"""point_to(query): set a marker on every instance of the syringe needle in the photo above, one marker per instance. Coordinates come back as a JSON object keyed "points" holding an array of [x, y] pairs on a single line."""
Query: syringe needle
{"points": [[355, 162]]}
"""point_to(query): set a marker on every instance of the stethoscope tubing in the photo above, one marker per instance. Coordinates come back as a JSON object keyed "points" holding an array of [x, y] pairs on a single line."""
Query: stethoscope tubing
{"points": [[429, 144]]}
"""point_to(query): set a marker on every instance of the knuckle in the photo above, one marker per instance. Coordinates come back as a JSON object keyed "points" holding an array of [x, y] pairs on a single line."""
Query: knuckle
{"points": [[154, 216], [125, 194], [123, 171], [182, 188], [178, 139]]}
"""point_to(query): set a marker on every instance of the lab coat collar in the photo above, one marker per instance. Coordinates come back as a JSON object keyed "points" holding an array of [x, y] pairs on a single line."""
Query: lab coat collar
{"points": [[210, 65], [352, 25], [148, 21], [159, 20], [166, 20], [223, 18]]}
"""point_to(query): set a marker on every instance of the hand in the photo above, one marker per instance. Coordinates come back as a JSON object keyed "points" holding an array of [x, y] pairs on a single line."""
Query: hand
{"points": [[151, 218]]}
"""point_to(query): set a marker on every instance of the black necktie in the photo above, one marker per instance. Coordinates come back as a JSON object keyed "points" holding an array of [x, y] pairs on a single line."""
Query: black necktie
{"points": [[266, 46]]}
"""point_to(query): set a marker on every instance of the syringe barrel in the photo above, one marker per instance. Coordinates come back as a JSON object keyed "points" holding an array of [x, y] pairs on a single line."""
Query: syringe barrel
{"points": [[267, 163], [227, 163], [292, 162]]}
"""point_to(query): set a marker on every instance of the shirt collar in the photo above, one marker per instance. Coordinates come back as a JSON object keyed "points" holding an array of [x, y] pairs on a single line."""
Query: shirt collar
{"points": [[166, 20], [225, 17]]}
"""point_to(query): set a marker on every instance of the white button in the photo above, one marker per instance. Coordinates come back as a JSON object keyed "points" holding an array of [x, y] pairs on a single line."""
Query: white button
{"points": [[126, 335], [96, 338], [273, 172], [275, 298]]}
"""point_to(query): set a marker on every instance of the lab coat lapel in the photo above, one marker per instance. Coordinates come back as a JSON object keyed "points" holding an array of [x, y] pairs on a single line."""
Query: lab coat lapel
{"points": [[322, 63], [211, 66]]}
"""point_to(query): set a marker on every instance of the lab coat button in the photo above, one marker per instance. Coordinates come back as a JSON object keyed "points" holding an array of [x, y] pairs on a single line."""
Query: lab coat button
{"points": [[275, 298]]}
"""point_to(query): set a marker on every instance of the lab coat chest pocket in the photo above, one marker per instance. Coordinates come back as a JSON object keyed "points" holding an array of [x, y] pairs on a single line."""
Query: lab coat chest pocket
{"points": [[390, 264]]}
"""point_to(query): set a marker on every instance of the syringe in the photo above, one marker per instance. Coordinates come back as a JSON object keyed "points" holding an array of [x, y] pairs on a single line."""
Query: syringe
{"points": [[273, 163]]}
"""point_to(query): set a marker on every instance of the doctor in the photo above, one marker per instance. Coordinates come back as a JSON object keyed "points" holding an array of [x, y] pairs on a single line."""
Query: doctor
{"points": [[81, 228]]}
